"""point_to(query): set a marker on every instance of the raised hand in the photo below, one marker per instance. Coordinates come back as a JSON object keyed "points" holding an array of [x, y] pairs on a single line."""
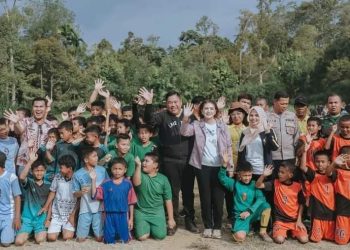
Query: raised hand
{"points": [[147, 95], [104, 93], [221, 103], [49, 101], [267, 126], [98, 84], [139, 100], [64, 116], [81, 108], [33, 156], [268, 170], [342, 160], [137, 161], [188, 109], [225, 117], [115, 103], [50, 145], [11, 116]]}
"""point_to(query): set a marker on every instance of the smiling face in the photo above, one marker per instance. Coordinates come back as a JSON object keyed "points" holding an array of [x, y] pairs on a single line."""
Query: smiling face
{"points": [[313, 128], [123, 146], [173, 104], [39, 110], [280, 105], [254, 119], [209, 111], [237, 117]]}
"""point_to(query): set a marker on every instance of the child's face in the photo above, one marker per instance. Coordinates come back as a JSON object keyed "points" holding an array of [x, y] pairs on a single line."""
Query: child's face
{"points": [[149, 166], [127, 115], [65, 171], [65, 134], [118, 170], [4, 131], [144, 135], [38, 172], [52, 137], [72, 115], [76, 126], [345, 129], [313, 128], [284, 174], [96, 110], [123, 146], [113, 126], [322, 162], [91, 138], [245, 176], [21, 114], [55, 123], [121, 129], [91, 159]]}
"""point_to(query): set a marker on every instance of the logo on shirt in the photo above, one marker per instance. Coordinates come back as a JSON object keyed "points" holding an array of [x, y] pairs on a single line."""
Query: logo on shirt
{"points": [[284, 199], [172, 124], [244, 196]]}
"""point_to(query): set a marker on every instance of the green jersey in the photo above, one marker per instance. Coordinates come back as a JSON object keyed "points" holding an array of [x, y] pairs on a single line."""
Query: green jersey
{"points": [[140, 150], [130, 161]]}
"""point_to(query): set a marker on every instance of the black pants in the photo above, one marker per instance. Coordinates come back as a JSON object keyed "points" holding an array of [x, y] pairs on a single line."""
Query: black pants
{"points": [[187, 187], [174, 169], [211, 195]]}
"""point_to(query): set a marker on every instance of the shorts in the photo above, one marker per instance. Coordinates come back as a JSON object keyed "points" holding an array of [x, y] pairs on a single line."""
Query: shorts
{"points": [[322, 229], [239, 225], [342, 228], [281, 228], [57, 226], [116, 226], [7, 233], [36, 224], [151, 224], [86, 220]]}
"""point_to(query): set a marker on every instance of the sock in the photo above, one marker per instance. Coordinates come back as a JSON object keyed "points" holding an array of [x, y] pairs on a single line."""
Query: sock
{"points": [[264, 221]]}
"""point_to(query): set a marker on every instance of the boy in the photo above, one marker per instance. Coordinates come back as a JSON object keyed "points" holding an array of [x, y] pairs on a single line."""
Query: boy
{"points": [[153, 191], [145, 145], [36, 192], [90, 210], [288, 201], [341, 179], [79, 125], [10, 204], [322, 198], [61, 203], [119, 198], [122, 127], [336, 142], [127, 113], [97, 108], [249, 202], [8, 145], [122, 150]]}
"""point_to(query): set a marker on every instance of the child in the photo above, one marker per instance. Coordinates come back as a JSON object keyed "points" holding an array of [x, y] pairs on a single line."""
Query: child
{"points": [[8, 145], [127, 113], [322, 198], [288, 201], [336, 142], [97, 108], [122, 150], [153, 191], [92, 138], [53, 136], [79, 125], [145, 145], [119, 198], [341, 179], [122, 127], [36, 192], [249, 202], [90, 210], [10, 204], [61, 203]]}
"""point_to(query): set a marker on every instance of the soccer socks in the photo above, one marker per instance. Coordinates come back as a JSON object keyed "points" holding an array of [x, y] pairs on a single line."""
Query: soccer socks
{"points": [[264, 221]]}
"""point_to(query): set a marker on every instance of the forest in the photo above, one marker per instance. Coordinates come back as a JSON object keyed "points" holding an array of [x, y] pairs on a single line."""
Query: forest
{"points": [[299, 47]]}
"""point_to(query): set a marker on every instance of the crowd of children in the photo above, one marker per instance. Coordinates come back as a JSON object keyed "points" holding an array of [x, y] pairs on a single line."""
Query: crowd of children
{"points": [[116, 174]]}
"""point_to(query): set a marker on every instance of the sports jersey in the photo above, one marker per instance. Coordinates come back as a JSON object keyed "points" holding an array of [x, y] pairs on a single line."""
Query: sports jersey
{"points": [[315, 145], [341, 179], [337, 143]]}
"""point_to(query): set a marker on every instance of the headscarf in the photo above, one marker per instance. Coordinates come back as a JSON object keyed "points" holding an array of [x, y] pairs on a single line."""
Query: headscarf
{"points": [[250, 134]]}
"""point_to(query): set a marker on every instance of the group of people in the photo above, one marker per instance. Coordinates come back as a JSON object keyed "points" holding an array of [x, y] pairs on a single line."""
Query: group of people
{"points": [[117, 173]]}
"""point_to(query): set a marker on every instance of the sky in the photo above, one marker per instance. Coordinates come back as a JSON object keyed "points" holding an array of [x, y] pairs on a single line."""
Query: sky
{"points": [[113, 19]]}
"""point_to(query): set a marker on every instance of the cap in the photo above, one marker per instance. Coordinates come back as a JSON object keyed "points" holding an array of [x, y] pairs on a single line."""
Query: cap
{"points": [[238, 105], [301, 100]]}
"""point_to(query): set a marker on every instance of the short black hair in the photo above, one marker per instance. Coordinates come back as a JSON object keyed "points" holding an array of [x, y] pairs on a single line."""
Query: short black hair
{"points": [[87, 151], [54, 131], [245, 167], [51, 117], [315, 119], [123, 137], [81, 120], [93, 129], [245, 96], [113, 117], [126, 122], [171, 93], [280, 94], [72, 109], [290, 166], [334, 94], [126, 108], [2, 159], [322, 152], [94, 119], [36, 164], [39, 99], [153, 156], [68, 161], [67, 125], [26, 111], [197, 99], [344, 118], [345, 150], [3, 121], [145, 126], [100, 104], [118, 160]]}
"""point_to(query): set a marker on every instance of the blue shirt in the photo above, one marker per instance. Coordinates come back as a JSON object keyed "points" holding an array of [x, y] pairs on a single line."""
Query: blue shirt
{"points": [[82, 179], [9, 188], [9, 146]]}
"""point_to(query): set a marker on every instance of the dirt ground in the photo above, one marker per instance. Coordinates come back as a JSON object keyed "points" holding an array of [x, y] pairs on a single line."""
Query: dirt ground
{"points": [[185, 240]]}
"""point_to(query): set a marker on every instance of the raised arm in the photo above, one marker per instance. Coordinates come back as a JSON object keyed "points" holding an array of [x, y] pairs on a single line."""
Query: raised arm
{"points": [[11, 116], [94, 94], [260, 182], [136, 179], [32, 158], [329, 141]]}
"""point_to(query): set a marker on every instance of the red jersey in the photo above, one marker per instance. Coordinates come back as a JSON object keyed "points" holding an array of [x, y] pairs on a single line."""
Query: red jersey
{"points": [[338, 142], [341, 179], [315, 145]]}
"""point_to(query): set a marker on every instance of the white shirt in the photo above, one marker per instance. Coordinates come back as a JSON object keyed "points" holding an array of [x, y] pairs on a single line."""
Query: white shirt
{"points": [[255, 155], [211, 155]]}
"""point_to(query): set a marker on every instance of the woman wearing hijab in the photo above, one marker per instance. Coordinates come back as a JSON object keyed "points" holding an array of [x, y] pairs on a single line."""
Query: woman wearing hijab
{"points": [[256, 142]]}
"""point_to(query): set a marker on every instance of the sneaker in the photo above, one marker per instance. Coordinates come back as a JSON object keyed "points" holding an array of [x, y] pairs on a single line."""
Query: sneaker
{"points": [[191, 226], [265, 237], [216, 234], [207, 233]]}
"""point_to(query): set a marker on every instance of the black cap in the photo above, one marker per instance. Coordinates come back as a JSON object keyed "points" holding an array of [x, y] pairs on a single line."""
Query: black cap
{"points": [[301, 100]]}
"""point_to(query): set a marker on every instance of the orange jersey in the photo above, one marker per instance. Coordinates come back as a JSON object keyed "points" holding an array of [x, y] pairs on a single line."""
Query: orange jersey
{"points": [[341, 179], [322, 200], [287, 199], [338, 142], [316, 145]]}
